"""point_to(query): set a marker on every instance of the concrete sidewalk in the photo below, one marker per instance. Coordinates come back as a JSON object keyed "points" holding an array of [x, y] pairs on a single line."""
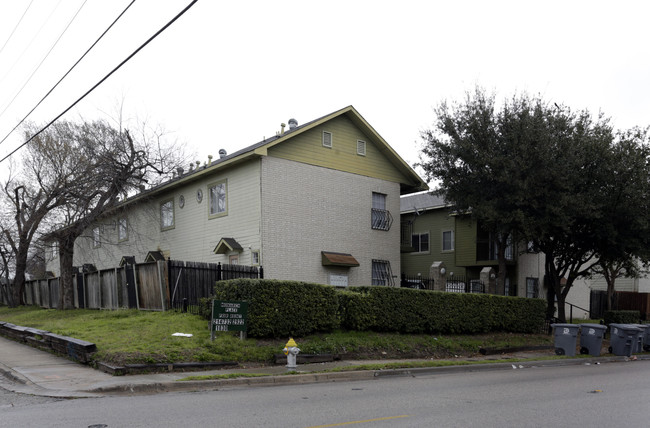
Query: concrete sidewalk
{"points": [[29, 370]]}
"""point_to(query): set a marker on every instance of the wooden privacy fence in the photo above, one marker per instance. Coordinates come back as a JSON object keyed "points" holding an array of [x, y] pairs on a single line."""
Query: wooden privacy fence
{"points": [[147, 286], [623, 301]]}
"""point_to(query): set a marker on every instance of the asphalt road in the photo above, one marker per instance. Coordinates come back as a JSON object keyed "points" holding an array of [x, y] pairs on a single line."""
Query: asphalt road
{"points": [[603, 395]]}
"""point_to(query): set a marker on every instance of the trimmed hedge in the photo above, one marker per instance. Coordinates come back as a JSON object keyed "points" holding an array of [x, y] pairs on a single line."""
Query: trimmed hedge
{"points": [[420, 311], [290, 308], [622, 317], [283, 308]]}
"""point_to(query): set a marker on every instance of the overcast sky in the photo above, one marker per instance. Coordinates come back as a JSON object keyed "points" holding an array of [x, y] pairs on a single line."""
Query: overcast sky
{"points": [[226, 74]]}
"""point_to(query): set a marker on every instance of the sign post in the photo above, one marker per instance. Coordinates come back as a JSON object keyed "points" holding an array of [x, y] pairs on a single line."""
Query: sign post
{"points": [[228, 316]]}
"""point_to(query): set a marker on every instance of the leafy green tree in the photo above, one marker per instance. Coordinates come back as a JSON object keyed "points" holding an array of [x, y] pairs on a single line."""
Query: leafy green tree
{"points": [[624, 247], [530, 169]]}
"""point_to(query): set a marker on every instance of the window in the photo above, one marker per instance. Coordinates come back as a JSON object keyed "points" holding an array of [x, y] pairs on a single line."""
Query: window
{"points": [[167, 215], [448, 240], [55, 250], [122, 229], [96, 238], [381, 273], [234, 259], [380, 216], [420, 242], [327, 139], [532, 287], [255, 258], [217, 194], [361, 148]]}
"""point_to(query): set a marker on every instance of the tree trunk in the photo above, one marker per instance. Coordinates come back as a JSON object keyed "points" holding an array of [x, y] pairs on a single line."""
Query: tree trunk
{"points": [[66, 253], [18, 289]]}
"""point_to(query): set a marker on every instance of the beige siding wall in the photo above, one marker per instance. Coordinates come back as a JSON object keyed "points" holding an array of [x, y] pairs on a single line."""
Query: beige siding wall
{"points": [[194, 234], [530, 265], [308, 209]]}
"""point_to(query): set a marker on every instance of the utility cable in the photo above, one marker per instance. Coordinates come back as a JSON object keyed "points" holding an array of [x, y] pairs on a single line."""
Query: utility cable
{"points": [[31, 41], [44, 58], [181, 13], [14, 30], [68, 72]]}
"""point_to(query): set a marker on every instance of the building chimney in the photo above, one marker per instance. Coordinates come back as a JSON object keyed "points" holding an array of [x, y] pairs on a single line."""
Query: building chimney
{"points": [[293, 123]]}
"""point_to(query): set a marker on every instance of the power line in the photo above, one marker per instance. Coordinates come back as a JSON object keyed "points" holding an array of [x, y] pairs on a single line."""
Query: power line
{"points": [[31, 41], [44, 58], [181, 13], [14, 30], [69, 71]]}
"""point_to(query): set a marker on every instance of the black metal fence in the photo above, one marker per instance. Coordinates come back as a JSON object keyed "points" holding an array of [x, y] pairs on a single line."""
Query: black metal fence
{"points": [[417, 282], [189, 282], [462, 284]]}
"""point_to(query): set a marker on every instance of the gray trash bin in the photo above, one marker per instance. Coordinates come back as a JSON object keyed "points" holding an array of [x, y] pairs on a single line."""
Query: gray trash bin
{"points": [[591, 338], [565, 339], [624, 339], [640, 339]]}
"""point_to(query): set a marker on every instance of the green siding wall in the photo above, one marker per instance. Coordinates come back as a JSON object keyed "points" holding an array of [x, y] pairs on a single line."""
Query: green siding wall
{"points": [[308, 148], [434, 222]]}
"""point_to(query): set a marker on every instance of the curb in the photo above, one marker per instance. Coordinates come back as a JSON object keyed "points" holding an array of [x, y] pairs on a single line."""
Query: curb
{"points": [[347, 376]]}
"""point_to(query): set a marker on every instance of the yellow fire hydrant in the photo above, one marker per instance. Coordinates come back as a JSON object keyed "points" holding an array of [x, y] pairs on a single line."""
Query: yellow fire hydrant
{"points": [[291, 350]]}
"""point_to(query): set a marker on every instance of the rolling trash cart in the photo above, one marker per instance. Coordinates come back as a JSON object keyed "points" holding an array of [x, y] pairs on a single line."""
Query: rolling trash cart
{"points": [[641, 337], [565, 339], [591, 338], [624, 339]]}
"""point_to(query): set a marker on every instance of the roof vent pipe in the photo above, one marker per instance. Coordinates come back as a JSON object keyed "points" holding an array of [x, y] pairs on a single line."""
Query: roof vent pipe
{"points": [[222, 153], [179, 170], [282, 125], [293, 123]]}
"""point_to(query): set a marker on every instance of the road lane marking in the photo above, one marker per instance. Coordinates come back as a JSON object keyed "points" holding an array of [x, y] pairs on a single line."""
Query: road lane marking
{"points": [[360, 422]]}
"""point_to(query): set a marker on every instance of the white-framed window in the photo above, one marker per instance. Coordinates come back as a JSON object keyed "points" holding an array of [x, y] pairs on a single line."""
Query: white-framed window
{"points": [[255, 258], [218, 199], [361, 148], [381, 273], [167, 214], [420, 242], [122, 229], [233, 259], [448, 240], [54, 250], [327, 139], [97, 237]]}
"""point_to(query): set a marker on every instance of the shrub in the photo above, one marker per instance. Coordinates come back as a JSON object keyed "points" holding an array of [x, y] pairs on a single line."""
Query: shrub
{"points": [[622, 317], [290, 308], [283, 308]]}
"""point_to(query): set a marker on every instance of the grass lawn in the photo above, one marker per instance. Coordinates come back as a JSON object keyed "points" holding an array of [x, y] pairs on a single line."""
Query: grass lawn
{"points": [[131, 336]]}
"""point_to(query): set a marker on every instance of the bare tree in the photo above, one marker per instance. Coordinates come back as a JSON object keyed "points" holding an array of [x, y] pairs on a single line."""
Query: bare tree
{"points": [[33, 193], [110, 164]]}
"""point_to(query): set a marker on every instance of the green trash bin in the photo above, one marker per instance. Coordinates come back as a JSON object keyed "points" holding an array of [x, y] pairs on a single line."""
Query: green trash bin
{"points": [[591, 338], [565, 339], [624, 339]]}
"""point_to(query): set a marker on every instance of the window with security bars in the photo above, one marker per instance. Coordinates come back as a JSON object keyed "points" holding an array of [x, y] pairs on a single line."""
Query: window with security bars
{"points": [[380, 216], [381, 273]]}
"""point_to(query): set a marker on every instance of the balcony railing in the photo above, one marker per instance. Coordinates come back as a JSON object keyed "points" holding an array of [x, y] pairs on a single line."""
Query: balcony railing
{"points": [[381, 219]]}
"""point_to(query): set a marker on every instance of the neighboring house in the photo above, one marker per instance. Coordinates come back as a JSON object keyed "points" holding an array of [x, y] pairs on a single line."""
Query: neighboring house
{"points": [[432, 232], [314, 203]]}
